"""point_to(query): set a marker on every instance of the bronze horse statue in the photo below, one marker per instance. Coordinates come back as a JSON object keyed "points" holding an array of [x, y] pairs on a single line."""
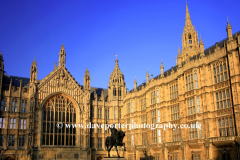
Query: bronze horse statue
{"points": [[115, 140]]}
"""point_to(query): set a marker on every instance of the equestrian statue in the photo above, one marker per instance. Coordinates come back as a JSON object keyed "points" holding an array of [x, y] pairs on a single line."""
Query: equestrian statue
{"points": [[115, 139]]}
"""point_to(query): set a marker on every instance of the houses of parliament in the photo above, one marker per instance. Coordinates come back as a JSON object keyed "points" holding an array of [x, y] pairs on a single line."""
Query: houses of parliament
{"points": [[203, 89]]}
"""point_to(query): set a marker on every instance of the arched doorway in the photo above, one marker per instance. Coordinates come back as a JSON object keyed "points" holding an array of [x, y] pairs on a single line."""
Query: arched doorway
{"points": [[58, 111]]}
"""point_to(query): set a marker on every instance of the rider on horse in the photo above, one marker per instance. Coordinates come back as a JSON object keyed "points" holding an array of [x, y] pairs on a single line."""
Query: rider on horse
{"points": [[115, 139], [115, 134]]}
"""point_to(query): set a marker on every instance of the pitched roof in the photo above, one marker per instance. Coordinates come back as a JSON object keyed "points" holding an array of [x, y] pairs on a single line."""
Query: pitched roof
{"points": [[99, 92], [25, 83], [15, 81], [206, 53]]}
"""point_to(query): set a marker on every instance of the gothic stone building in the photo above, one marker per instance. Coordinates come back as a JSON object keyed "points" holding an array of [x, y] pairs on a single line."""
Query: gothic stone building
{"points": [[203, 87]]}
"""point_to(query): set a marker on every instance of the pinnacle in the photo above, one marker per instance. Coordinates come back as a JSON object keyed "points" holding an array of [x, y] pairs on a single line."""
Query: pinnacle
{"points": [[188, 19], [87, 72], [116, 70], [116, 64], [34, 62], [228, 24], [178, 50], [62, 47]]}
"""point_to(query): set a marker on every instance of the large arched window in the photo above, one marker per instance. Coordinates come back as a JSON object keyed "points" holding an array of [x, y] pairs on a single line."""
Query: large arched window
{"points": [[58, 109]]}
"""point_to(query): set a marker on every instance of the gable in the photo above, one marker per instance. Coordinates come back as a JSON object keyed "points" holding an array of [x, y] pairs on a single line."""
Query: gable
{"points": [[59, 80]]}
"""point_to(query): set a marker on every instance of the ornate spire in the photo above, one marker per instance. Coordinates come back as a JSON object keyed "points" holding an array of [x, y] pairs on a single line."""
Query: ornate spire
{"points": [[86, 80], [190, 42], [116, 61], [135, 84], [62, 56], [33, 73], [162, 74], [116, 70], [179, 51], [147, 77], [116, 84], [34, 62], [62, 47], [201, 47], [229, 30], [55, 65], [87, 72], [188, 19]]}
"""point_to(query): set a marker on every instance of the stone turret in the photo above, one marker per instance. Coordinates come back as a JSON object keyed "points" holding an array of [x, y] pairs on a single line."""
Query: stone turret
{"points": [[86, 80], [229, 31], [62, 56], [147, 77], [162, 72], [116, 85], [135, 85], [190, 45]]}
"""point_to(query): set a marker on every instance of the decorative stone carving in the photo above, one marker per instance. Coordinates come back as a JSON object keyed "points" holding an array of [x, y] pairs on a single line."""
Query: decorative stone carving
{"points": [[182, 145], [206, 143], [33, 74]]}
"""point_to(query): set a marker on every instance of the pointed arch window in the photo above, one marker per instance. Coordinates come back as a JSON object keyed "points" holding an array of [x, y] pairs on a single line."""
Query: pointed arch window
{"points": [[114, 92], [58, 109], [119, 92], [190, 39]]}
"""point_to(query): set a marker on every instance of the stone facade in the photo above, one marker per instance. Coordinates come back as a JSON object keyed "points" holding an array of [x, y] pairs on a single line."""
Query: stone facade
{"points": [[203, 90]]}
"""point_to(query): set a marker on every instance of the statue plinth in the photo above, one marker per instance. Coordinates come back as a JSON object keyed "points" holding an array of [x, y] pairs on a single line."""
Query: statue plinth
{"points": [[114, 158]]}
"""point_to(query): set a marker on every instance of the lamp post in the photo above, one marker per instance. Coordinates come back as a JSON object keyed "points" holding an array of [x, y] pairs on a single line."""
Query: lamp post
{"points": [[192, 155]]}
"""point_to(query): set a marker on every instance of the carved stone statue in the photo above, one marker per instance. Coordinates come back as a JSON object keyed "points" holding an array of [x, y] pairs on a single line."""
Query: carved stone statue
{"points": [[115, 139], [33, 73]]}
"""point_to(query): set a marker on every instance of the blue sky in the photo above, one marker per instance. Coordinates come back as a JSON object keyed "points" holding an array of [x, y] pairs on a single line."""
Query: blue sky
{"points": [[140, 32]]}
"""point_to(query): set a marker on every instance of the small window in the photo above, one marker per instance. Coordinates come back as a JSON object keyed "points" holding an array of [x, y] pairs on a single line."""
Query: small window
{"points": [[3, 105], [189, 36], [12, 123], [21, 141], [1, 139], [11, 140], [114, 92], [190, 39], [2, 123]]}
